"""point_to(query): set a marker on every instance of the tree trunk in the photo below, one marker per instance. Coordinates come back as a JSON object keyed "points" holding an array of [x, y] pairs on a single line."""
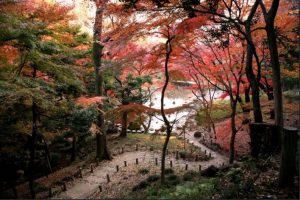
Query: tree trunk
{"points": [[97, 47], [73, 152], [14, 189], [247, 96], [213, 127], [146, 127], [211, 123], [47, 156], [214, 130], [233, 130], [166, 121], [269, 90], [277, 91], [32, 149], [256, 131], [183, 131], [264, 139], [124, 125], [102, 150], [276, 78], [163, 156], [252, 79], [99, 150], [270, 140], [270, 95], [288, 157], [239, 99]]}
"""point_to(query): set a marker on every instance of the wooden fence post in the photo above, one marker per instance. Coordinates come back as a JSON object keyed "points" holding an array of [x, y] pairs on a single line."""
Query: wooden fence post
{"points": [[50, 192], [125, 163], [156, 161], [100, 188], [80, 172], [137, 161], [171, 163], [117, 168], [64, 186], [186, 166], [108, 179], [92, 168]]}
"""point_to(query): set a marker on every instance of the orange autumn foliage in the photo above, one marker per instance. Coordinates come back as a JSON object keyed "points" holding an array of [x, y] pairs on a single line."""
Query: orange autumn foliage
{"points": [[86, 101], [8, 53], [39, 75], [82, 47], [82, 61]]}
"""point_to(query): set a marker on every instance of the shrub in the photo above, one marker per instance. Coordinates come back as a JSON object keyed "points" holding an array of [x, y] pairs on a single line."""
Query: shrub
{"points": [[169, 171], [292, 95], [151, 148], [67, 178], [231, 191], [39, 187], [55, 157], [141, 185], [189, 190], [234, 175], [143, 171], [172, 179], [77, 174], [182, 154], [197, 134], [58, 182], [82, 38], [134, 126], [152, 178], [189, 175]]}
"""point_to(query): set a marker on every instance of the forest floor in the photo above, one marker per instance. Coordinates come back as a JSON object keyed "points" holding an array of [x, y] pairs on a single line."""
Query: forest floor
{"points": [[149, 147], [291, 111], [134, 174]]}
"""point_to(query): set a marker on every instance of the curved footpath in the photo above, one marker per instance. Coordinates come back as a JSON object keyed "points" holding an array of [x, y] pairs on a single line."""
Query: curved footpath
{"points": [[217, 157], [84, 187]]}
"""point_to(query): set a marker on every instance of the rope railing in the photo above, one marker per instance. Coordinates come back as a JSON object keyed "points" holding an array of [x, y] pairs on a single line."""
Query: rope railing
{"points": [[145, 159]]}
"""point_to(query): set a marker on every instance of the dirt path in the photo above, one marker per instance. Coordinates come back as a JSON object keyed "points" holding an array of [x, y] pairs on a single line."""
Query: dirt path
{"points": [[218, 158], [89, 184], [86, 186]]}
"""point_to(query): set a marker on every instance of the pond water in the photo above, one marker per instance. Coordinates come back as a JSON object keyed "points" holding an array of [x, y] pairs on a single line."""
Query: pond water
{"points": [[176, 97]]}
